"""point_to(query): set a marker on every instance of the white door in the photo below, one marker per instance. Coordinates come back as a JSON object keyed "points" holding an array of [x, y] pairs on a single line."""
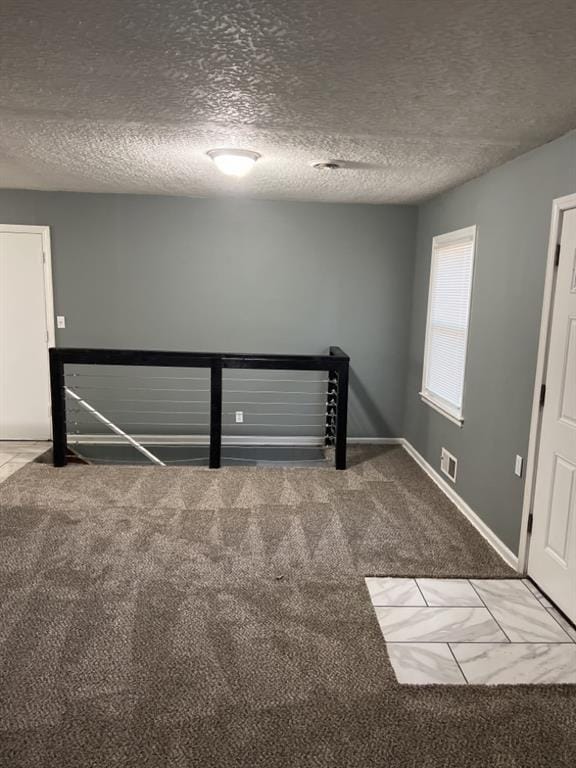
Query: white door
{"points": [[26, 330], [552, 561]]}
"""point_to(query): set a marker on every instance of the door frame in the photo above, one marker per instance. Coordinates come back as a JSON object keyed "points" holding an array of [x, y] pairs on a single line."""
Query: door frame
{"points": [[44, 232], [559, 206]]}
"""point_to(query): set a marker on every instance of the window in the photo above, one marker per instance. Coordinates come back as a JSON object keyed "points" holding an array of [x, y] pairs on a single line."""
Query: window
{"points": [[447, 323]]}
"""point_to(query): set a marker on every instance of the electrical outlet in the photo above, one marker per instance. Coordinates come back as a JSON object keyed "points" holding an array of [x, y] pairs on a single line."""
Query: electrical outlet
{"points": [[239, 417], [60, 321], [518, 466]]}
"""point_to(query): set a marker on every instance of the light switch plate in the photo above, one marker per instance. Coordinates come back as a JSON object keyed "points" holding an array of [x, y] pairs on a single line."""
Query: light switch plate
{"points": [[60, 321], [518, 466], [239, 417]]}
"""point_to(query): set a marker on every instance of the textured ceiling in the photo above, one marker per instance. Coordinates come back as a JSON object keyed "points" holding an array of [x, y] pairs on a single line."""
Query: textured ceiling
{"points": [[415, 96]]}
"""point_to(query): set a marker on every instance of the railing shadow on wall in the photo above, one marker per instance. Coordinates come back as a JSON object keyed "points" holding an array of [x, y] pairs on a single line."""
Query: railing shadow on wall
{"points": [[66, 396]]}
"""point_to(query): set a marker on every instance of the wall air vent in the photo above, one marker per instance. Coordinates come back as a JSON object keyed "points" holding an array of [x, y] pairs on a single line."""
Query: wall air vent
{"points": [[448, 464]]}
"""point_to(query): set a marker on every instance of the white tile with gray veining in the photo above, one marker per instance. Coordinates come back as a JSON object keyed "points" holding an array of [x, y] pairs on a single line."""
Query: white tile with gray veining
{"points": [[438, 625], [389, 591], [542, 599], [477, 631], [519, 613], [516, 663], [449, 592], [570, 629], [424, 663]]}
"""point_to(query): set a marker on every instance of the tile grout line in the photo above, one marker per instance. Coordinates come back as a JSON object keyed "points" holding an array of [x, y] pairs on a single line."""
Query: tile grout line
{"points": [[422, 593], [458, 664], [489, 611], [532, 592]]}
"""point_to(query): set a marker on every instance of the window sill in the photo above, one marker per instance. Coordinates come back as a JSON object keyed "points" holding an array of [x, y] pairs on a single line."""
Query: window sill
{"points": [[437, 407]]}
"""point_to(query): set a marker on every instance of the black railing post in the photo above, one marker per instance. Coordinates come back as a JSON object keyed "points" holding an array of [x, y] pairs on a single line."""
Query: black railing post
{"points": [[58, 395], [342, 417], [215, 414]]}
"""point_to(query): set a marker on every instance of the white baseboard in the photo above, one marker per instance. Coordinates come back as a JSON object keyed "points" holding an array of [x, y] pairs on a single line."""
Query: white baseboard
{"points": [[506, 554], [375, 441]]}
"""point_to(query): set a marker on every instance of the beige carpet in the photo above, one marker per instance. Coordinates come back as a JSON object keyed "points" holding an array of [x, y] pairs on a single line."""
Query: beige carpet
{"points": [[182, 617]]}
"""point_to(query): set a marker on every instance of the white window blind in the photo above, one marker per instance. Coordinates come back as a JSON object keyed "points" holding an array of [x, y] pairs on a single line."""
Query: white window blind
{"points": [[447, 323]]}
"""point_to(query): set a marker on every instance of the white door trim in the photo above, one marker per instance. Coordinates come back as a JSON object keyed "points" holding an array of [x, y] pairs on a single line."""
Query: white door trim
{"points": [[559, 205], [44, 232]]}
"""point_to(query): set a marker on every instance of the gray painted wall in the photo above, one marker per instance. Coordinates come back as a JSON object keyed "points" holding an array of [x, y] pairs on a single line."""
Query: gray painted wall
{"points": [[512, 207], [238, 276]]}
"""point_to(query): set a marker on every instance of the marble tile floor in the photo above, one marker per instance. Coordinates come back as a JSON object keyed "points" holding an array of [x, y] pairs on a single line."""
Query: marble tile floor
{"points": [[15, 453], [473, 632]]}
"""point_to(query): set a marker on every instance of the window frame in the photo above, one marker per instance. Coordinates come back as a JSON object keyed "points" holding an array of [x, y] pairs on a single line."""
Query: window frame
{"points": [[456, 415]]}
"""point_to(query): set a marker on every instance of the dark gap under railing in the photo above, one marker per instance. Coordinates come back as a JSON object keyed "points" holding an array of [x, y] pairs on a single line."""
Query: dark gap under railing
{"points": [[335, 413]]}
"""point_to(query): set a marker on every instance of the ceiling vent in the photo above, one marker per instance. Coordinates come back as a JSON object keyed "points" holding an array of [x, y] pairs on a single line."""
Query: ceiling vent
{"points": [[331, 165]]}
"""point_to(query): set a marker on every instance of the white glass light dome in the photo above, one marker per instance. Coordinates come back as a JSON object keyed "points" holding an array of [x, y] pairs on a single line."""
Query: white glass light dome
{"points": [[234, 162]]}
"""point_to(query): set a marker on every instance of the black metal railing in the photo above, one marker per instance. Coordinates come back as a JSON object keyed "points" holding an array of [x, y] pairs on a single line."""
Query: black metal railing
{"points": [[336, 364]]}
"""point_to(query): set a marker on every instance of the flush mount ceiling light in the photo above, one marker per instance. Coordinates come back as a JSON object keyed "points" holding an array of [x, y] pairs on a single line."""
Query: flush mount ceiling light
{"points": [[234, 162]]}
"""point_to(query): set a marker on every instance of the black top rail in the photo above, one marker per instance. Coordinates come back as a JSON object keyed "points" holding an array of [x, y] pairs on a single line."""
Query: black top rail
{"points": [[336, 363]]}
